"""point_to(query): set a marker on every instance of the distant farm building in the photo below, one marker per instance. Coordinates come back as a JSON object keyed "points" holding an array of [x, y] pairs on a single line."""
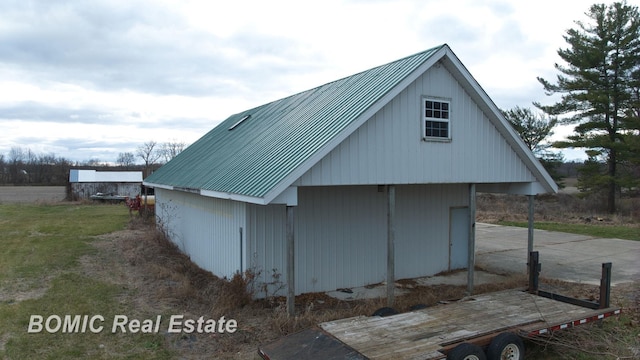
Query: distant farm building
{"points": [[366, 179], [85, 183]]}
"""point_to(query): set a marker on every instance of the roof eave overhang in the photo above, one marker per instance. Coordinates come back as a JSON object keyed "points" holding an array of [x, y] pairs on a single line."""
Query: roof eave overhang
{"points": [[209, 193], [516, 188]]}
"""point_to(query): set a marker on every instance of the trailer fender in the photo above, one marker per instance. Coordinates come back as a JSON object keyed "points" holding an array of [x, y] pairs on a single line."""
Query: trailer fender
{"points": [[506, 346], [466, 351]]}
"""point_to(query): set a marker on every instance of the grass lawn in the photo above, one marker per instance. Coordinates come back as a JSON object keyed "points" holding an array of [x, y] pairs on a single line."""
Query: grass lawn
{"points": [[603, 231], [39, 275]]}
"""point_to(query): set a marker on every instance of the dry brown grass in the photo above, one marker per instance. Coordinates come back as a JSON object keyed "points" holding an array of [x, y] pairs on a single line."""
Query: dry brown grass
{"points": [[161, 280], [559, 207], [615, 338]]}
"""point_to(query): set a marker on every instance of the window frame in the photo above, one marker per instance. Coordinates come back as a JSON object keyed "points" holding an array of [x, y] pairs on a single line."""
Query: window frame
{"points": [[424, 118]]}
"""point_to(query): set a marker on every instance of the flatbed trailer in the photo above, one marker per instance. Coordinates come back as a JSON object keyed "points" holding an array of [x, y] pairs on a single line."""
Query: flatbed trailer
{"points": [[489, 326]]}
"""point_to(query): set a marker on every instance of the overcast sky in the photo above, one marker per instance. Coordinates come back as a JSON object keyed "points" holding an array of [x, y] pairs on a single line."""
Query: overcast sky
{"points": [[91, 79]]}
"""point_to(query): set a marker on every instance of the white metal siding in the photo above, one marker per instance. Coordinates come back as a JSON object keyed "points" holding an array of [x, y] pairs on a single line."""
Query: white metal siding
{"points": [[76, 175], [458, 238], [388, 149], [207, 229], [422, 227], [266, 244], [341, 234], [342, 237]]}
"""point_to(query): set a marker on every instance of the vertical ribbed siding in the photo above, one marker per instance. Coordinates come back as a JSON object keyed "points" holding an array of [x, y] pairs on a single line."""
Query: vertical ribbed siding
{"points": [[423, 225], [342, 237], [266, 246], [341, 234], [206, 229]]}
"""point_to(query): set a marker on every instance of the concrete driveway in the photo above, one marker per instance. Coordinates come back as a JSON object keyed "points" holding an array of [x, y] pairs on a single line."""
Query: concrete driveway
{"points": [[568, 257], [503, 250]]}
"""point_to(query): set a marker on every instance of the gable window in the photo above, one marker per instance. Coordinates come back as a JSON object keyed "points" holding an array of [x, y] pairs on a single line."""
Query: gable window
{"points": [[436, 119]]}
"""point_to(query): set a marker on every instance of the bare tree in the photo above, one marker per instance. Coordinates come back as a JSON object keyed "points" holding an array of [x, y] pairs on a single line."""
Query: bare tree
{"points": [[171, 149], [4, 170], [93, 163], [149, 154], [16, 155], [16, 165], [126, 159]]}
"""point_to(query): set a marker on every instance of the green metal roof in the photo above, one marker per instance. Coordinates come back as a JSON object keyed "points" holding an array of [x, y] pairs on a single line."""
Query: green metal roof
{"points": [[261, 150]]}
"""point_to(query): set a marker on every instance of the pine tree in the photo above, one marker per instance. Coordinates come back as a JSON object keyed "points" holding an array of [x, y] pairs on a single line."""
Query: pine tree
{"points": [[599, 86], [535, 129]]}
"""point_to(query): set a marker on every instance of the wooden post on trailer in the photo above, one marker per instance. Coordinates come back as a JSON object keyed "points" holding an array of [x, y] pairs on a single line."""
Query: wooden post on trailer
{"points": [[534, 271], [605, 286]]}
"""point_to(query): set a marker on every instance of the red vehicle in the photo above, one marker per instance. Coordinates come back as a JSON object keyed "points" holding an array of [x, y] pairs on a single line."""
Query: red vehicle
{"points": [[140, 203]]}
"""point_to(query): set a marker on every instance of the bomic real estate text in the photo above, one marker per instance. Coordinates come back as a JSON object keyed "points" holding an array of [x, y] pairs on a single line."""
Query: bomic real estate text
{"points": [[123, 324]]}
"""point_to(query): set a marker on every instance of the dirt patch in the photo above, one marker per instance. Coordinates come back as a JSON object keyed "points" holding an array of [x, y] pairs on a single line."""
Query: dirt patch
{"points": [[157, 279], [11, 294], [20, 289], [3, 341]]}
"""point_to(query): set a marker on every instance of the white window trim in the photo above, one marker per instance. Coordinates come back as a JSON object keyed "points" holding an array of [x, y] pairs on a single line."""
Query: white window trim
{"points": [[424, 119]]}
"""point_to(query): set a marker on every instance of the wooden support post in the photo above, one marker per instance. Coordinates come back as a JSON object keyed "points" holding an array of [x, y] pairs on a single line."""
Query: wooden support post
{"points": [[291, 290], [391, 214], [530, 227], [471, 261], [605, 286]]}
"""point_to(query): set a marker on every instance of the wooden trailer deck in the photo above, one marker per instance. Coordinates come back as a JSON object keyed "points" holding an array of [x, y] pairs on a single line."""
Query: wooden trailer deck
{"points": [[429, 333], [422, 334]]}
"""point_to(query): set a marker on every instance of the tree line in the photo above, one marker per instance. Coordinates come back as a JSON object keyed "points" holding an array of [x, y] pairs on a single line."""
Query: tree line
{"points": [[599, 88], [23, 166]]}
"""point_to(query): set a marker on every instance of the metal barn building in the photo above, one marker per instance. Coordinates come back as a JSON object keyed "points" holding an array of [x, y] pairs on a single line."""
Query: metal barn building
{"points": [[366, 179], [84, 183]]}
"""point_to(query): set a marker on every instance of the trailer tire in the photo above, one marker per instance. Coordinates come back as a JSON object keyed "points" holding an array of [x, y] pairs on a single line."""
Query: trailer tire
{"points": [[385, 311], [466, 351], [506, 346]]}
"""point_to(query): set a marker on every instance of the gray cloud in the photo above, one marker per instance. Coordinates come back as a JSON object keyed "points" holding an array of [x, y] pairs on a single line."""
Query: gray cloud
{"points": [[132, 45], [34, 111], [107, 49], [65, 147]]}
